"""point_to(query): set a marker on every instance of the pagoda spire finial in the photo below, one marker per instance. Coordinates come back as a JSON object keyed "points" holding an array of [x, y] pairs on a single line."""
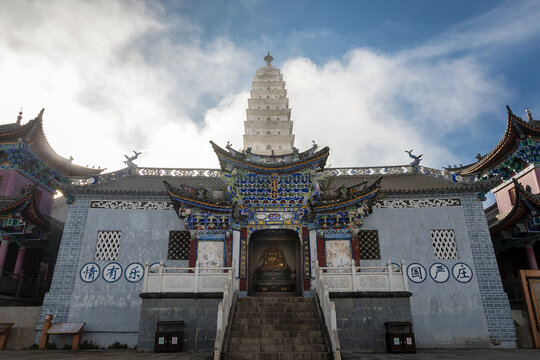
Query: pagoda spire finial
{"points": [[268, 58]]}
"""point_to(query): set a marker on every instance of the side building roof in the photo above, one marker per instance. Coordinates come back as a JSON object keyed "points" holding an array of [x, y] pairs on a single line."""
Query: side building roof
{"points": [[516, 129], [32, 132]]}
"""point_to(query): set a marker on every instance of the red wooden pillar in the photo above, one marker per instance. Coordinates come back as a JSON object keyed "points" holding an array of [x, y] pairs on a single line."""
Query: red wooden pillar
{"points": [[355, 248], [228, 249], [321, 250], [193, 251], [243, 259], [3, 250], [20, 261], [306, 258]]}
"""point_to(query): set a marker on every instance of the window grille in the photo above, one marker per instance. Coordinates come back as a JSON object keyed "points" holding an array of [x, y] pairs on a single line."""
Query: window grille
{"points": [[368, 241], [108, 244], [444, 244], [178, 245]]}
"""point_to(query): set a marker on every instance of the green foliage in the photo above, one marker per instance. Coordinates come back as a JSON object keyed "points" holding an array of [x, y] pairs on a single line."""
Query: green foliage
{"points": [[52, 346], [86, 345], [117, 345], [32, 347]]}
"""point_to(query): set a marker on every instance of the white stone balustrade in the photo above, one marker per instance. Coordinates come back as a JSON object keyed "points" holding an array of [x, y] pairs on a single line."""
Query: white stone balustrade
{"points": [[196, 279], [364, 278]]}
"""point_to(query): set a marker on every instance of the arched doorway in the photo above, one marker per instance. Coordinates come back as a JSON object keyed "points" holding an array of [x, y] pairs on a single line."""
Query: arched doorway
{"points": [[274, 263]]}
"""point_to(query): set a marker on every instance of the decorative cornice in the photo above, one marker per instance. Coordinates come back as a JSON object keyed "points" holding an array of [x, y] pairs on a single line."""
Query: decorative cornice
{"points": [[146, 172], [416, 203], [131, 205]]}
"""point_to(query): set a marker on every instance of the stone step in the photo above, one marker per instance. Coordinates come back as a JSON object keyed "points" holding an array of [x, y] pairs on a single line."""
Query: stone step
{"points": [[276, 321], [277, 356], [274, 308], [276, 305], [274, 315], [245, 333], [280, 299], [277, 348], [246, 340], [278, 327]]}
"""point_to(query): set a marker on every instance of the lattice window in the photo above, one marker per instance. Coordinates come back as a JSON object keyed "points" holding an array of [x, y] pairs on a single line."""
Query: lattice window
{"points": [[178, 245], [444, 244], [108, 244], [368, 241]]}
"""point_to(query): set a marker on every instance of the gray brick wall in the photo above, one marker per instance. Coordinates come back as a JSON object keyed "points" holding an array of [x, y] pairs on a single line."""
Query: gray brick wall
{"points": [[199, 316], [360, 321], [57, 301], [498, 315]]}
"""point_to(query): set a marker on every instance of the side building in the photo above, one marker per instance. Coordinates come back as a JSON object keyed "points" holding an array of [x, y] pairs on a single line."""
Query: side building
{"points": [[29, 173], [514, 221]]}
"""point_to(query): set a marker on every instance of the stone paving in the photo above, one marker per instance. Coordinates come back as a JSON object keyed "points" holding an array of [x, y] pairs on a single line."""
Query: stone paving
{"points": [[469, 354]]}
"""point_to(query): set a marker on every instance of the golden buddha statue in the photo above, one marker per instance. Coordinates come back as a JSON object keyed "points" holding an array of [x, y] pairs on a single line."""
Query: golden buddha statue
{"points": [[273, 265]]}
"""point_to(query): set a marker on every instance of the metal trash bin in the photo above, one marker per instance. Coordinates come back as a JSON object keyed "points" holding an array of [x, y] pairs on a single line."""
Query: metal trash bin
{"points": [[170, 340], [400, 337]]}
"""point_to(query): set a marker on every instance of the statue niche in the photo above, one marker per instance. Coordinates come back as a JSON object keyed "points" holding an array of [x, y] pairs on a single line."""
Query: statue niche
{"points": [[273, 274]]}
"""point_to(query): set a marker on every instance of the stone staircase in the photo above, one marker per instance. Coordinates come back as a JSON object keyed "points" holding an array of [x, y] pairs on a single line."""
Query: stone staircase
{"points": [[276, 328]]}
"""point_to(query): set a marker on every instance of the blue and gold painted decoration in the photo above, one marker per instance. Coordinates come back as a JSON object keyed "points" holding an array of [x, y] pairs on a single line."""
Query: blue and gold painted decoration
{"points": [[528, 152], [20, 157], [286, 195]]}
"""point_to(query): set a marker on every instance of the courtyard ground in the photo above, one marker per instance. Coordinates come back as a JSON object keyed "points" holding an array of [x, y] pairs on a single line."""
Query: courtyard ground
{"points": [[469, 354]]}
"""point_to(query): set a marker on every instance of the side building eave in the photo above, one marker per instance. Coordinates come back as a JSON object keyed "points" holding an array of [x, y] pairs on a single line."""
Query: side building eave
{"points": [[27, 205], [525, 203], [32, 132], [353, 197], [191, 197], [516, 129]]}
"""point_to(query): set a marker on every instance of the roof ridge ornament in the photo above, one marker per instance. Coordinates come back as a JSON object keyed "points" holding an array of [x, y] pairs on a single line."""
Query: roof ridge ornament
{"points": [[417, 159], [19, 118], [529, 114], [268, 58], [129, 160]]}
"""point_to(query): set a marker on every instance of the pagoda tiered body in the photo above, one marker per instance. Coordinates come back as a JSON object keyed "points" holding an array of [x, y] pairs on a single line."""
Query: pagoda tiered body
{"points": [[278, 215], [268, 125]]}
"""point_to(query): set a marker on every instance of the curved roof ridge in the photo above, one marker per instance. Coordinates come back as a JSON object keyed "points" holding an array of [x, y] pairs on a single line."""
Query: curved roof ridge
{"points": [[282, 163]]}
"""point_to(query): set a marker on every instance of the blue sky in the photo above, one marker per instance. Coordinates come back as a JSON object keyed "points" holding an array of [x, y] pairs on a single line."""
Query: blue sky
{"points": [[367, 78]]}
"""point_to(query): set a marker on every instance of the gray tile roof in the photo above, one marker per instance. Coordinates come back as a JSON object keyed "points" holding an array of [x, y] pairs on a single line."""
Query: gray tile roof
{"points": [[154, 184]]}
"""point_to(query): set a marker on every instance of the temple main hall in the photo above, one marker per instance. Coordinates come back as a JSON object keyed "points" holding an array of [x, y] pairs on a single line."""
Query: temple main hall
{"points": [[273, 252]]}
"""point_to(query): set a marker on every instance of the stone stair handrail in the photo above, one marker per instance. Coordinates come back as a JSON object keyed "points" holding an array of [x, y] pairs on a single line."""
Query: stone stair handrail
{"points": [[224, 309], [329, 312]]}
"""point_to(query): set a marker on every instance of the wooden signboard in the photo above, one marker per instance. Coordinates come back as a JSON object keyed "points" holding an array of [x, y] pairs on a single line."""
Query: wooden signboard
{"points": [[4, 332], [60, 328], [530, 279], [66, 328]]}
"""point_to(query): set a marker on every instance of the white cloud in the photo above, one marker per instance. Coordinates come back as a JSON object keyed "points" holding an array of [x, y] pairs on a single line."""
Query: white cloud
{"points": [[370, 107]]}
